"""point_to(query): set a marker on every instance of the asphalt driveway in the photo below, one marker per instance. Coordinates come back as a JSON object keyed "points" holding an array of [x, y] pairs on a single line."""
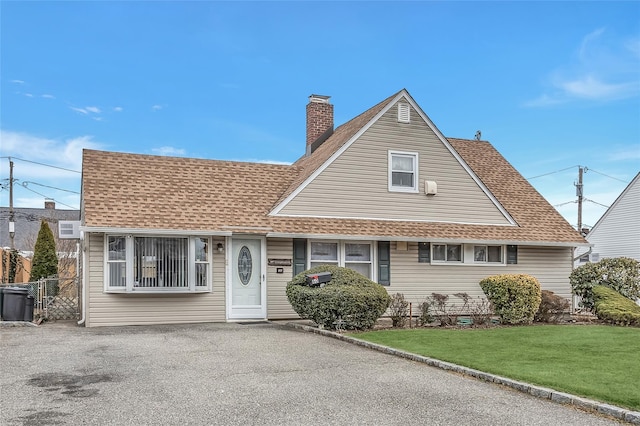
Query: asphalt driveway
{"points": [[233, 374]]}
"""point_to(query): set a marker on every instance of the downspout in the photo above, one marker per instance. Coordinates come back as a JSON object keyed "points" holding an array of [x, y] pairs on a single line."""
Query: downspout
{"points": [[84, 264]]}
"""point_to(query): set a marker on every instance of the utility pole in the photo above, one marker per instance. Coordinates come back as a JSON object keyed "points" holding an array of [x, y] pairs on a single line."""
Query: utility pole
{"points": [[12, 230], [579, 194]]}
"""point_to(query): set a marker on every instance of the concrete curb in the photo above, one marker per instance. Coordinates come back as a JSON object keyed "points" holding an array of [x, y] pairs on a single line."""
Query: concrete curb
{"points": [[17, 324], [619, 413]]}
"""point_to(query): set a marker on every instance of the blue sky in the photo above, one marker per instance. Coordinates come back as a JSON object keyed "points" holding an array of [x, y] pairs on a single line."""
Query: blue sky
{"points": [[552, 85]]}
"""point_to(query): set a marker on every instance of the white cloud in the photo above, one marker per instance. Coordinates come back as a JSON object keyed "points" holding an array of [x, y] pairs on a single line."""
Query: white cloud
{"points": [[47, 96], [628, 154], [93, 109], [157, 107], [117, 109], [590, 87], [54, 163], [28, 95], [169, 151], [64, 153], [17, 81], [604, 69], [80, 110]]}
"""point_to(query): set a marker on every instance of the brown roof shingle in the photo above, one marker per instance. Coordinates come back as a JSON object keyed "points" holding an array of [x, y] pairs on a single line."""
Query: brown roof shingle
{"points": [[167, 193]]}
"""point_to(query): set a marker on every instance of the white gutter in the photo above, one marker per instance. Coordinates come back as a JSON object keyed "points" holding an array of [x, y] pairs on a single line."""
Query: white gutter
{"points": [[147, 231], [424, 239]]}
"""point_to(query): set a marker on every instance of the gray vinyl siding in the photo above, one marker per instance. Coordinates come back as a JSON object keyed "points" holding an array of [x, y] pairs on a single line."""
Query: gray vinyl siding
{"points": [[617, 234], [341, 192], [110, 309], [278, 306], [551, 266]]}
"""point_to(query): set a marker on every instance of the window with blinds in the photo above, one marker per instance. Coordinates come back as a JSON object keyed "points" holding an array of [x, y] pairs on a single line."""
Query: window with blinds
{"points": [[141, 263]]}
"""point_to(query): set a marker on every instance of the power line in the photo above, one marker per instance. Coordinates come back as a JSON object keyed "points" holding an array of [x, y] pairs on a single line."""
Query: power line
{"points": [[595, 202], [550, 173], [610, 177], [42, 195], [47, 186], [43, 164]]}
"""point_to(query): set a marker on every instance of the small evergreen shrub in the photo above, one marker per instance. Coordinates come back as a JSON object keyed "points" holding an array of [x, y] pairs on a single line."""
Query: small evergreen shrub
{"points": [[45, 257], [611, 306], [349, 301], [425, 316], [515, 298], [552, 307], [621, 274], [399, 310]]}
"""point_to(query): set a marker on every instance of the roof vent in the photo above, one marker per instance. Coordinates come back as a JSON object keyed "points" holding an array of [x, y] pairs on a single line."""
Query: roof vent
{"points": [[403, 113]]}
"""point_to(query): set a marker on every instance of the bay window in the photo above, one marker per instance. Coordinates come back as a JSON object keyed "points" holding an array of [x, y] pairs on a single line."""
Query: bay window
{"points": [[157, 264]]}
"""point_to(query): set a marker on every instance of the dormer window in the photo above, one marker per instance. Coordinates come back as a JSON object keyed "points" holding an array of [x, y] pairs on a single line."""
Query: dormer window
{"points": [[404, 113], [403, 171]]}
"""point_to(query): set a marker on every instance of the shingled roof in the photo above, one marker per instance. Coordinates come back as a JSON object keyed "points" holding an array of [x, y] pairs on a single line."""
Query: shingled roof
{"points": [[133, 191]]}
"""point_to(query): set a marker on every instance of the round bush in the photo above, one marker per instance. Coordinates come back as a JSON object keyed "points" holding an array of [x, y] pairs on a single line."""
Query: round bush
{"points": [[515, 298], [621, 274], [349, 301]]}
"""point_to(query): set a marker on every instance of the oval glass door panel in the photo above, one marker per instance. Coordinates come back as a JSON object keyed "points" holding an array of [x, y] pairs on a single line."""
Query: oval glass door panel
{"points": [[245, 265], [246, 293]]}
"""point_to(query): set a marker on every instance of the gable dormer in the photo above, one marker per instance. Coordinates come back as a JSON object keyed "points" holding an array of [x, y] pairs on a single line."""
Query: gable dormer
{"points": [[387, 168]]}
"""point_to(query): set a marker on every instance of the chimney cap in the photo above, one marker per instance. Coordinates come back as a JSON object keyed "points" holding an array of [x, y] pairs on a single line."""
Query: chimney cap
{"points": [[322, 99]]}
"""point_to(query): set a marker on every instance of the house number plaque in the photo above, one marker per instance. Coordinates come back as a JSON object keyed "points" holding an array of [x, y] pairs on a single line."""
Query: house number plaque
{"points": [[279, 262]]}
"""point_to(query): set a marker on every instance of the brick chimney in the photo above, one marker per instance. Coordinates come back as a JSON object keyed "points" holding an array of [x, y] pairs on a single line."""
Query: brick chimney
{"points": [[49, 204], [319, 121]]}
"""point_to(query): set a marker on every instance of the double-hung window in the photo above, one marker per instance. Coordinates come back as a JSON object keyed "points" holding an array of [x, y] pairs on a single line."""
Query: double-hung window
{"points": [[446, 252], [157, 264], [403, 171], [488, 254], [354, 255]]}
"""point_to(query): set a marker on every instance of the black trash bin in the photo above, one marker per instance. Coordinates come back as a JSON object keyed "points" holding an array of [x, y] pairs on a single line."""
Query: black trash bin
{"points": [[13, 305], [1, 300], [28, 308]]}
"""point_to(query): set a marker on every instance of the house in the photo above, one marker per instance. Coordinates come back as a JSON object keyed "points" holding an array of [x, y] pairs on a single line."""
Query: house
{"points": [[179, 240], [617, 232], [27, 222]]}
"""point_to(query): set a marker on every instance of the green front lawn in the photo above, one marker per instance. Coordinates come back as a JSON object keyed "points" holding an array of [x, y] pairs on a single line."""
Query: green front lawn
{"points": [[597, 362]]}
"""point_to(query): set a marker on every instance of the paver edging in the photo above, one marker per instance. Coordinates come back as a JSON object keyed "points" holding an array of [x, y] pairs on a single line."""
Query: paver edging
{"points": [[620, 413]]}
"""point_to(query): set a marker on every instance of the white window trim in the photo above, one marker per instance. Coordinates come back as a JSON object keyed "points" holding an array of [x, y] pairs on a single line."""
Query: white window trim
{"points": [[373, 263], [129, 256], [468, 255], [416, 178]]}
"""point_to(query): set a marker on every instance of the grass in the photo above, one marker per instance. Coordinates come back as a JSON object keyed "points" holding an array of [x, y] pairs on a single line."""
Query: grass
{"points": [[597, 362]]}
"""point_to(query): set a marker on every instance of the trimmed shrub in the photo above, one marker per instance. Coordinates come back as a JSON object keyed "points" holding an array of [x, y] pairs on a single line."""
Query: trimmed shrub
{"points": [[611, 306], [515, 298], [425, 316], [399, 310], [552, 307], [621, 274], [349, 301]]}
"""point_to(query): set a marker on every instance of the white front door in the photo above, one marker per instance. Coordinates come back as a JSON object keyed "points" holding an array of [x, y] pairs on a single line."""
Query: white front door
{"points": [[247, 292]]}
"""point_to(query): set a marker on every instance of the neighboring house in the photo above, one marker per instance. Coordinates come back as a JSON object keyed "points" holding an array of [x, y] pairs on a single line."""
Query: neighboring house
{"points": [[617, 232], [27, 224], [177, 240]]}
